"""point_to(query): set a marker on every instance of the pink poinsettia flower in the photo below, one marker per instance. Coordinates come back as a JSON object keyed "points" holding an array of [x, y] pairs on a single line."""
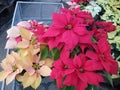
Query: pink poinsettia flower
{"points": [[66, 30], [39, 30], [29, 28], [103, 55], [73, 5], [11, 68], [35, 69], [81, 1], [78, 72], [36, 27]]}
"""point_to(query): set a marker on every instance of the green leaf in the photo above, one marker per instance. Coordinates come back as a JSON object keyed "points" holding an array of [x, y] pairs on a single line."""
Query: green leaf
{"points": [[76, 51], [63, 88], [94, 88], [109, 78], [68, 88], [17, 49], [55, 53], [72, 88], [91, 87], [119, 69], [44, 53], [93, 40], [54, 82]]}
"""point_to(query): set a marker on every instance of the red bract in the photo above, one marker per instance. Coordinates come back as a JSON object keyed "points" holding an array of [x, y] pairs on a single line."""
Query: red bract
{"points": [[78, 72], [84, 17], [37, 28], [66, 30], [103, 55], [40, 30], [58, 71], [99, 34], [107, 26]]}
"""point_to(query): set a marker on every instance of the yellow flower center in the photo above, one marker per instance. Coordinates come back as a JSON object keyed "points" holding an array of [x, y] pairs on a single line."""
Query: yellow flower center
{"points": [[87, 20], [74, 14], [69, 27], [36, 66], [14, 68], [65, 67], [102, 56], [34, 27], [34, 40], [81, 70]]}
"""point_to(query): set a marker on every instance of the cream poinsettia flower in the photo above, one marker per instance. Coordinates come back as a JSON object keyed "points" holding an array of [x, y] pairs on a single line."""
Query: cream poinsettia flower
{"points": [[24, 24], [15, 35], [34, 70], [26, 48], [11, 43], [27, 55], [13, 32], [26, 34], [23, 44], [48, 62], [11, 68], [93, 8]]}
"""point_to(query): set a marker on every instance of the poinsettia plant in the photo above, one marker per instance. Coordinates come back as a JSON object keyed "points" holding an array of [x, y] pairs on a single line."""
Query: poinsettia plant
{"points": [[105, 10], [112, 13], [74, 51]]}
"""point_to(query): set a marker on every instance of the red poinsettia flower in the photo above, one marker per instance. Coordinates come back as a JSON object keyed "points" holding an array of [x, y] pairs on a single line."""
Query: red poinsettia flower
{"points": [[78, 72], [67, 30], [83, 71], [58, 71], [100, 34], [84, 16], [103, 55], [107, 26]]}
